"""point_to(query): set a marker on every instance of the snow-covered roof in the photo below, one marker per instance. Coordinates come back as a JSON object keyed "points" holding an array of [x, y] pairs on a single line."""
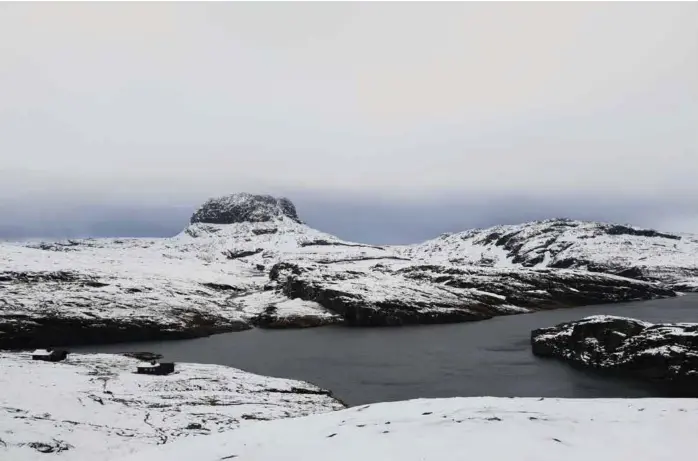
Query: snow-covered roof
{"points": [[42, 352]]}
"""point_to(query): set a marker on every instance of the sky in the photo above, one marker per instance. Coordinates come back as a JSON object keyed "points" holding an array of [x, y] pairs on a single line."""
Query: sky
{"points": [[383, 122]]}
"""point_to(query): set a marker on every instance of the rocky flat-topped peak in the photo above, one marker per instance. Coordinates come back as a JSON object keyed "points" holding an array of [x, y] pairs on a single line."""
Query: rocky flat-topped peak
{"points": [[244, 207]]}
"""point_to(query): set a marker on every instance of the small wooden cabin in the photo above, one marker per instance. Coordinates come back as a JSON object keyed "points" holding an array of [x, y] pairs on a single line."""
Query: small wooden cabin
{"points": [[49, 355], [155, 368]]}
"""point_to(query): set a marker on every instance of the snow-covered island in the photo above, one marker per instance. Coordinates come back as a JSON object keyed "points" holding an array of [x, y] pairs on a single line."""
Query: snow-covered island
{"points": [[664, 354], [94, 406], [248, 260]]}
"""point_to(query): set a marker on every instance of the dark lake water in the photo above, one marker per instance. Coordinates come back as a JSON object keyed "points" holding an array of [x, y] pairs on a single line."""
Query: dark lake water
{"points": [[365, 365]]}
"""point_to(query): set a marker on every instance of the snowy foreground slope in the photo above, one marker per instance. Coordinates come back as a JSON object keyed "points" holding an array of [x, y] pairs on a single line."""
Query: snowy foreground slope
{"points": [[457, 429], [222, 273], [91, 407]]}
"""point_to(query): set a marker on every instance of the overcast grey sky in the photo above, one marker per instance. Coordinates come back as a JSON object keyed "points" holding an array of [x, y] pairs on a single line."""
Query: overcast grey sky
{"points": [[449, 114]]}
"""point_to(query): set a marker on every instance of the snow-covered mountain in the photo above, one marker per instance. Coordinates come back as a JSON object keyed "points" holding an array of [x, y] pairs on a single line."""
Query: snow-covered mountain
{"points": [[247, 260], [562, 243]]}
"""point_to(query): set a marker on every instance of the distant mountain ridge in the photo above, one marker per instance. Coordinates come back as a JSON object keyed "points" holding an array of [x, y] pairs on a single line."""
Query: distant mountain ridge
{"points": [[629, 251], [248, 260]]}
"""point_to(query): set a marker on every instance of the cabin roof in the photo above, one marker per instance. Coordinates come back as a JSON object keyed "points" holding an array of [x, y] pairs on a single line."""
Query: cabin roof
{"points": [[42, 352]]}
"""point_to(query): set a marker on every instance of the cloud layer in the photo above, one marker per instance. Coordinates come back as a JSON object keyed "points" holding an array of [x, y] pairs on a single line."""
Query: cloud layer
{"points": [[167, 104]]}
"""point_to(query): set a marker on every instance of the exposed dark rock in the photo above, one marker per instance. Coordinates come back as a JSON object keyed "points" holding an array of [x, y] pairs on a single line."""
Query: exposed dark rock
{"points": [[221, 286], [269, 319], [360, 258], [625, 230], [56, 446], [95, 284], [56, 246], [631, 273], [66, 331], [339, 244], [267, 231], [283, 267], [34, 277], [566, 263], [493, 237], [145, 356], [244, 207], [664, 354], [232, 254], [301, 391]]}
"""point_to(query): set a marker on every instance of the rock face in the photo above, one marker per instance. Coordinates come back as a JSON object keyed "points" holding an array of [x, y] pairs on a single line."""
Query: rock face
{"points": [[94, 406], [243, 207], [40, 309], [247, 260], [665, 354], [642, 254], [378, 295]]}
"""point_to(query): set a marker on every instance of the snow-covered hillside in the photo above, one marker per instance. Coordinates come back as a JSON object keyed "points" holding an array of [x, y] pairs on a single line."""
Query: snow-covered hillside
{"points": [[218, 275], [95, 406], [207, 279], [562, 243], [457, 429]]}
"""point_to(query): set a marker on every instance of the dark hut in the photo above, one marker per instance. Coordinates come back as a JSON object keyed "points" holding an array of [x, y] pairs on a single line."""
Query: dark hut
{"points": [[49, 355], [155, 368]]}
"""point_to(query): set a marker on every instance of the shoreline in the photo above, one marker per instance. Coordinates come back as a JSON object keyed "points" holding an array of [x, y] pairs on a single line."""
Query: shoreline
{"points": [[62, 332]]}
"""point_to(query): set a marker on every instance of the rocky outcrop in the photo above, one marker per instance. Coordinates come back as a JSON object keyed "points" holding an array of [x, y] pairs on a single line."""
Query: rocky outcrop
{"points": [[271, 319], [379, 295], [237, 254], [44, 309], [664, 354], [278, 311], [243, 207], [22, 332]]}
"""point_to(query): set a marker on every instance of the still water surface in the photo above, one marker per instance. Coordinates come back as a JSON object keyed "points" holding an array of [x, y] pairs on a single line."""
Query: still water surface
{"points": [[365, 365]]}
